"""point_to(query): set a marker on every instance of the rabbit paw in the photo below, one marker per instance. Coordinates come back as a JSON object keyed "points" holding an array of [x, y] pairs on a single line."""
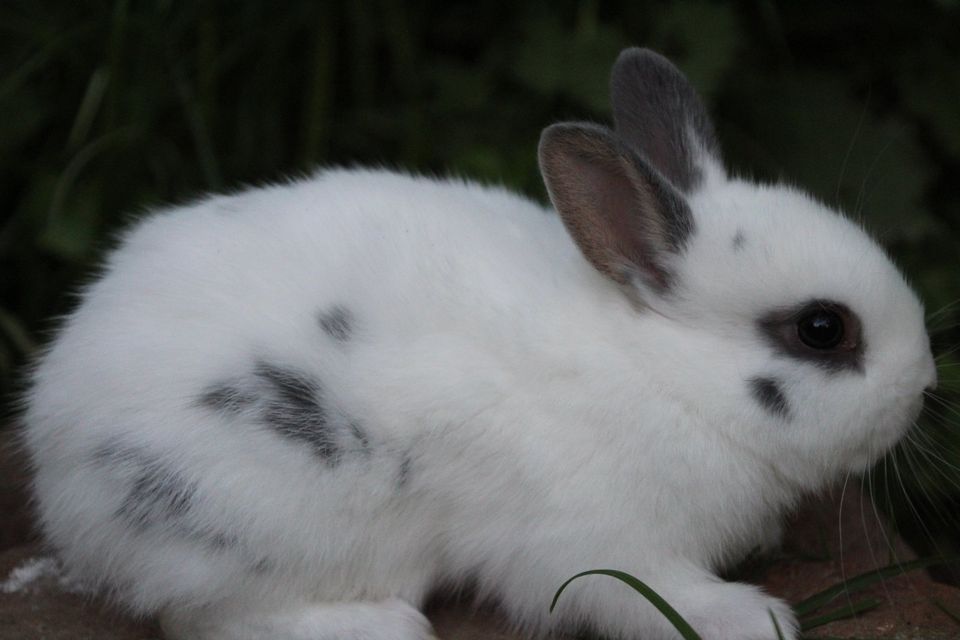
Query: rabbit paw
{"points": [[392, 619]]}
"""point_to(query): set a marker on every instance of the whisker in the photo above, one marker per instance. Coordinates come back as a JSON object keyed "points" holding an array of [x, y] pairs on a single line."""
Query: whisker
{"points": [[853, 142], [910, 503], [933, 315], [948, 352], [866, 532], [924, 448]]}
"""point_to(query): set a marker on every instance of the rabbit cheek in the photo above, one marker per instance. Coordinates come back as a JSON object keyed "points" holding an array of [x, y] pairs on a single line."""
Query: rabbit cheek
{"points": [[768, 393]]}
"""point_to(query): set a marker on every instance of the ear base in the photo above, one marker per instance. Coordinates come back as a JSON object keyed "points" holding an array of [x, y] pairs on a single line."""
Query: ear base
{"points": [[625, 218], [660, 115]]}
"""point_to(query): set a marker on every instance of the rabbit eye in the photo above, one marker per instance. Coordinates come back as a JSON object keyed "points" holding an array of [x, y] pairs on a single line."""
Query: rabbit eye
{"points": [[821, 332], [820, 329]]}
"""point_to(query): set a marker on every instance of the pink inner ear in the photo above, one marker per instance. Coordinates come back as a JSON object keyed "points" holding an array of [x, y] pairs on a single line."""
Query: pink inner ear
{"points": [[617, 222], [626, 220]]}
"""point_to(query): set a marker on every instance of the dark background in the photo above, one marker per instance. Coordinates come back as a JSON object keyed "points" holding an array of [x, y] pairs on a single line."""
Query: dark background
{"points": [[110, 107]]}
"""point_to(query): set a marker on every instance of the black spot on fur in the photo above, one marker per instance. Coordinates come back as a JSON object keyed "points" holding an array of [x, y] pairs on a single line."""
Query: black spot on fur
{"points": [[292, 404], [360, 436], [768, 393], [403, 472], [158, 493], [337, 323], [226, 398], [262, 566], [738, 240], [159, 496], [296, 410]]}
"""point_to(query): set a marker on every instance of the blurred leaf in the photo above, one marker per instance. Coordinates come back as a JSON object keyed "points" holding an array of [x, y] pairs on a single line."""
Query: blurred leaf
{"points": [[930, 91], [553, 61], [808, 130], [16, 334], [71, 234], [703, 36]]}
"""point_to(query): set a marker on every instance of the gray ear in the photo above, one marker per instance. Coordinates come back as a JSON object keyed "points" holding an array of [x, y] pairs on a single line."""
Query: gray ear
{"points": [[658, 112], [623, 215]]}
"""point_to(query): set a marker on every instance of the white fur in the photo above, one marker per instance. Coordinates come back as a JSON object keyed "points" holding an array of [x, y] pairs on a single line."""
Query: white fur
{"points": [[550, 425]]}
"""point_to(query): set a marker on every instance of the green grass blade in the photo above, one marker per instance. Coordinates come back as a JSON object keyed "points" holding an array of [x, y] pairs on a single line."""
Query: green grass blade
{"points": [[840, 614], [776, 625], [12, 328], [864, 580], [662, 605], [947, 610]]}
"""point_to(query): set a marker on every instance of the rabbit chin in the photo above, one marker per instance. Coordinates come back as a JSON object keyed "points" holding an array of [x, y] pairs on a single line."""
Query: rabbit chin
{"points": [[884, 439]]}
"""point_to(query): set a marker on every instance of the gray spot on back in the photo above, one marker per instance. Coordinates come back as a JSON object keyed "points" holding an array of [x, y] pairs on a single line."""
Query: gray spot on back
{"points": [[403, 471], [768, 393], [227, 398], [158, 493], [161, 498], [263, 566], [363, 442], [292, 404], [738, 240], [337, 323], [295, 409]]}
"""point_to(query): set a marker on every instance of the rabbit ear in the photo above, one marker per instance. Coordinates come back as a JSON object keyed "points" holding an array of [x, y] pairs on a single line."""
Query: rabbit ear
{"points": [[659, 114], [626, 219]]}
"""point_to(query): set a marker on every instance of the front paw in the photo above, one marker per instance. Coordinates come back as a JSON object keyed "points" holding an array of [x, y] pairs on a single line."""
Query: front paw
{"points": [[734, 611]]}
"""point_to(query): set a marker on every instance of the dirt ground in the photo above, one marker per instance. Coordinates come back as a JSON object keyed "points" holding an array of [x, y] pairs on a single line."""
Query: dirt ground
{"points": [[813, 559]]}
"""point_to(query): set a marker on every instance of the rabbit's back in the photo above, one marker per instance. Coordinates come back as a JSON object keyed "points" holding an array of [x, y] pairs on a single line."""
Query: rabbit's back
{"points": [[235, 391]]}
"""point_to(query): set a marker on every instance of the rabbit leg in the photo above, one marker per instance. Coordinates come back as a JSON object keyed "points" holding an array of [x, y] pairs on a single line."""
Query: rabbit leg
{"points": [[720, 610], [392, 619]]}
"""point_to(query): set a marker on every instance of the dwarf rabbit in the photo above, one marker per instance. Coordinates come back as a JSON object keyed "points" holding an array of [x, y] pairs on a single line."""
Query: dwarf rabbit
{"points": [[293, 412]]}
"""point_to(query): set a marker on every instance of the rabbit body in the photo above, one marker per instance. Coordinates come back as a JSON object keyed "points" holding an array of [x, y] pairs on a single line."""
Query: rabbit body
{"points": [[295, 411]]}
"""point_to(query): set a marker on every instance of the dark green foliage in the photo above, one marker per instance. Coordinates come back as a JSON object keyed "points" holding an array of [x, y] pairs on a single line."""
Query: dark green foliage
{"points": [[810, 610], [112, 106]]}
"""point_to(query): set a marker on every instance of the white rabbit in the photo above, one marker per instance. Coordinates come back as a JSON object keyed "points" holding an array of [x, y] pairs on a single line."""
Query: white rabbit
{"points": [[293, 412]]}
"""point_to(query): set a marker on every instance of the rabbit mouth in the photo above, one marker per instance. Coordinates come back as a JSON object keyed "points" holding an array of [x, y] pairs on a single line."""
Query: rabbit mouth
{"points": [[882, 440]]}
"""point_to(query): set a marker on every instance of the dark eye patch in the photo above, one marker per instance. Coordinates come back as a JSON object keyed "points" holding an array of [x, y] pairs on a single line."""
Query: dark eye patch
{"points": [[804, 332]]}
